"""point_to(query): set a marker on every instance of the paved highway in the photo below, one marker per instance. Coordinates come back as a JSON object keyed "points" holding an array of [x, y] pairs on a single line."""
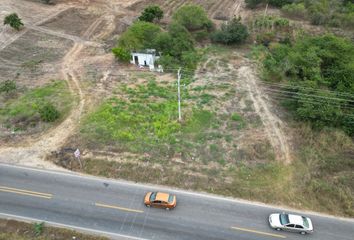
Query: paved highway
{"points": [[116, 208]]}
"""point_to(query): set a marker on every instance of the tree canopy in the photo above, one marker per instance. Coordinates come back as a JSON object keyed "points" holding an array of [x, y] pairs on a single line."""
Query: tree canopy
{"points": [[322, 69], [192, 17], [139, 36], [151, 13], [233, 32]]}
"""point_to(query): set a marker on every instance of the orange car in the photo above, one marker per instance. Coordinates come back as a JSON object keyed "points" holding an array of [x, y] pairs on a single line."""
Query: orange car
{"points": [[160, 200]]}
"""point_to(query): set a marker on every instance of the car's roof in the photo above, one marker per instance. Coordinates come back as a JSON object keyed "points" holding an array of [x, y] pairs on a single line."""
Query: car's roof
{"points": [[296, 219], [160, 196]]}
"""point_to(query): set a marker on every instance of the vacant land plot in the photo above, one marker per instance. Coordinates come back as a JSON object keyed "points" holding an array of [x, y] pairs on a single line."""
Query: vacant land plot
{"points": [[220, 146], [72, 21], [33, 59]]}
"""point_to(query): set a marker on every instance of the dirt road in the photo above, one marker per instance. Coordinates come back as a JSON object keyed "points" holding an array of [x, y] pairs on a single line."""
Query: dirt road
{"points": [[274, 127]]}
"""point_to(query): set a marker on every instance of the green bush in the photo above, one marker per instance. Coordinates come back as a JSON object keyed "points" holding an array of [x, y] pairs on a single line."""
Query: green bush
{"points": [[182, 40], [233, 32], [275, 3], [121, 54], [295, 10], [151, 13], [38, 228], [8, 86], [279, 3], [192, 17], [139, 36], [14, 21], [48, 112], [252, 3], [314, 64]]}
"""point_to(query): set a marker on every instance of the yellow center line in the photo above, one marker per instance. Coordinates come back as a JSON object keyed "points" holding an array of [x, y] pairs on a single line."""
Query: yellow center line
{"points": [[258, 232], [119, 208], [26, 192]]}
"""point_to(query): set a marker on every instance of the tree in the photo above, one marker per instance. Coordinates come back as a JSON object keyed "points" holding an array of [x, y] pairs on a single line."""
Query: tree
{"points": [[233, 32], [151, 13], [121, 54], [322, 72], [252, 3], [181, 40], [139, 36], [192, 17], [14, 21]]}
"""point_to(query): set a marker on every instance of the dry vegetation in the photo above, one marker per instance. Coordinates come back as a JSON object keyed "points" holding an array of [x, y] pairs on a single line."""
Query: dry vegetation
{"points": [[14, 230]]}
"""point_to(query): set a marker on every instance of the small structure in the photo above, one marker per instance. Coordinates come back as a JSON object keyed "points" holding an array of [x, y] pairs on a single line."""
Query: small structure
{"points": [[146, 58]]}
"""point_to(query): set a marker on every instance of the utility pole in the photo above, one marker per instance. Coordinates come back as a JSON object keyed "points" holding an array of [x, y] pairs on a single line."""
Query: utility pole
{"points": [[179, 94]]}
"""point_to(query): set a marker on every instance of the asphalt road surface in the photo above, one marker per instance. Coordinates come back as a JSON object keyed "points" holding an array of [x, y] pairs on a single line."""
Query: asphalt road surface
{"points": [[115, 208]]}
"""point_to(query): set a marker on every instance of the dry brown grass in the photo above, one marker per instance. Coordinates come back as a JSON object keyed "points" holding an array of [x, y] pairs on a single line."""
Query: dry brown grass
{"points": [[15, 230]]}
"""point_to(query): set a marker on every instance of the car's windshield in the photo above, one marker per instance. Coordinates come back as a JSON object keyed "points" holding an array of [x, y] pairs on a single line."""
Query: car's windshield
{"points": [[284, 219], [170, 199], [153, 196], [306, 222]]}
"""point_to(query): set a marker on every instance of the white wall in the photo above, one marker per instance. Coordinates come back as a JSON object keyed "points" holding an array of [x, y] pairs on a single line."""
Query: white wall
{"points": [[143, 59]]}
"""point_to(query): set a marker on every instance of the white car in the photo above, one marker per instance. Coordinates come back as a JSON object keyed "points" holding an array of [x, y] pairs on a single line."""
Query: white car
{"points": [[291, 223]]}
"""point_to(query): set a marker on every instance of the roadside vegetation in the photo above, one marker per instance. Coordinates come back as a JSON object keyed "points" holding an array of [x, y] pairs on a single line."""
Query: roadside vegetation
{"points": [[319, 76], [333, 13], [24, 109], [14, 230], [311, 78]]}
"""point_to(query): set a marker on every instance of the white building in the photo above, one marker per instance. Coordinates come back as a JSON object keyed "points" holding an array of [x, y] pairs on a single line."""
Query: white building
{"points": [[145, 58]]}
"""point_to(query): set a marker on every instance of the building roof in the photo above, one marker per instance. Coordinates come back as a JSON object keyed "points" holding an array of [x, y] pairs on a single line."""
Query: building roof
{"points": [[146, 51]]}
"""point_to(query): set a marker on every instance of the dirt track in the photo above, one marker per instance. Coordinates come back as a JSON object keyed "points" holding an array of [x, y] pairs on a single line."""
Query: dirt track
{"points": [[273, 126]]}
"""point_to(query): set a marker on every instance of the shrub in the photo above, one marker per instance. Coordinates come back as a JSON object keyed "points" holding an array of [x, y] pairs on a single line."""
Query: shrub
{"points": [[38, 228], [192, 17], [280, 3], [139, 36], [181, 40], [313, 64], [190, 59], [275, 3], [252, 3], [233, 32], [14, 21], [8, 86], [295, 10], [121, 54], [151, 13], [48, 112]]}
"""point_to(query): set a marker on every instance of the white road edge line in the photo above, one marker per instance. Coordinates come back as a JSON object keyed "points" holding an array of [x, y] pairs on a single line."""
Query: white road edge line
{"points": [[172, 189], [60, 225]]}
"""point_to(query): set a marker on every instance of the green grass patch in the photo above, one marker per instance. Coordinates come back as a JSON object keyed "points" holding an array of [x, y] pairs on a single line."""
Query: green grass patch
{"points": [[146, 123], [238, 120], [29, 107]]}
